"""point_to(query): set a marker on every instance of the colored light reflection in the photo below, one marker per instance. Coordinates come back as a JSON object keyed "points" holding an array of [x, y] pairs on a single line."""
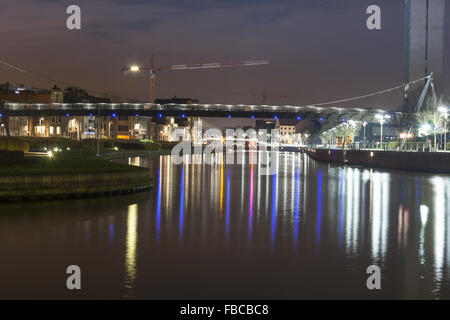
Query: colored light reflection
{"points": [[439, 226], [380, 216], [111, 233], [250, 213], [274, 207], [181, 203], [319, 205], [341, 208], [131, 245], [158, 206], [221, 190], [227, 215], [297, 205]]}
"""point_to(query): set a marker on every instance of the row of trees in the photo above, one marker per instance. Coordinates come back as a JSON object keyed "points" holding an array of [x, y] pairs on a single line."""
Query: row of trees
{"points": [[433, 121], [345, 131]]}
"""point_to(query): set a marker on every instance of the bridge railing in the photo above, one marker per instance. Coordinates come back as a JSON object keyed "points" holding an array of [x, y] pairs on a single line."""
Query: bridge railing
{"points": [[13, 106]]}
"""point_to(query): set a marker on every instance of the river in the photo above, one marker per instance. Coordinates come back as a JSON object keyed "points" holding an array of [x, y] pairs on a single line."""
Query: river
{"points": [[310, 230]]}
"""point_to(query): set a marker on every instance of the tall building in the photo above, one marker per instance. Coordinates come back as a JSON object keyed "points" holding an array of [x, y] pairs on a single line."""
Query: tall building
{"points": [[424, 41]]}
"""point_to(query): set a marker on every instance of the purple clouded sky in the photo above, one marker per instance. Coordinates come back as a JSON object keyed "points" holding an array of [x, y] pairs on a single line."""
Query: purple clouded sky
{"points": [[319, 50]]}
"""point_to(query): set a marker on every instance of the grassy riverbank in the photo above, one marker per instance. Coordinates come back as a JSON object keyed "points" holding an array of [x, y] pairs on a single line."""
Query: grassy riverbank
{"points": [[61, 168], [63, 165], [74, 157]]}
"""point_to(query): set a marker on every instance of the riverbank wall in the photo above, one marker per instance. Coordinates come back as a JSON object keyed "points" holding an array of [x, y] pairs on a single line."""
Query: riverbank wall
{"points": [[431, 162], [13, 188], [134, 153]]}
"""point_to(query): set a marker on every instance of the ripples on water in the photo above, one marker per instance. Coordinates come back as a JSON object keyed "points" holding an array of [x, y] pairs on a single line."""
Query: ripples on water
{"points": [[226, 231]]}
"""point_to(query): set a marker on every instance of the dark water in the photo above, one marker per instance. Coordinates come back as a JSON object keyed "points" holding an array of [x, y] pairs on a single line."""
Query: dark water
{"points": [[225, 231]]}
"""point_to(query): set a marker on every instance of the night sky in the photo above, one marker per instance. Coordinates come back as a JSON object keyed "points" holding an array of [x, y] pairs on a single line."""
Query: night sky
{"points": [[319, 50]]}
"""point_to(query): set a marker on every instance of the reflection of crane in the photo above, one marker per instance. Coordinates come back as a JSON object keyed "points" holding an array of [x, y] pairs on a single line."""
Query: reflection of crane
{"points": [[263, 96], [153, 69]]}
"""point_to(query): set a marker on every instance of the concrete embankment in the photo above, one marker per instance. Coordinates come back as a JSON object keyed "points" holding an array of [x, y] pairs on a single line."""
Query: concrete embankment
{"points": [[136, 153], [432, 162], [73, 185]]}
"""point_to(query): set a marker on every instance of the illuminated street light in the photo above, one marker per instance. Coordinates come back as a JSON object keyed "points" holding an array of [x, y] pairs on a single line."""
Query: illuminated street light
{"points": [[364, 126], [382, 120], [134, 68], [424, 130]]}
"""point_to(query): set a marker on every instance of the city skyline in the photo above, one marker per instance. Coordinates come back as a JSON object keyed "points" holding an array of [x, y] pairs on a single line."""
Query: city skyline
{"points": [[306, 73]]}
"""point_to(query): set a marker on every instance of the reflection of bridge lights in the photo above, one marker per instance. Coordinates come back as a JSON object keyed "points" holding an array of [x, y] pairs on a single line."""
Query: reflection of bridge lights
{"points": [[131, 246], [424, 213]]}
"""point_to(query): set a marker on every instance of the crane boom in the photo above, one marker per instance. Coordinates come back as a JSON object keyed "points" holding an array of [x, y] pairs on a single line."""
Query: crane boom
{"points": [[203, 65], [153, 69]]}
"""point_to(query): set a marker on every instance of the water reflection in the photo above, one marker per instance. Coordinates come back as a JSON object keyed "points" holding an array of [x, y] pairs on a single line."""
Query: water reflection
{"points": [[250, 213], [131, 245], [439, 230], [302, 224], [158, 204], [379, 215], [181, 203], [227, 217]]}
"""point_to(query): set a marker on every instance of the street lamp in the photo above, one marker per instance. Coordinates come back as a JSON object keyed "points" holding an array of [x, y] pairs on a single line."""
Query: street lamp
{"points": [[364, 126], [382, 120], [444, 111]]}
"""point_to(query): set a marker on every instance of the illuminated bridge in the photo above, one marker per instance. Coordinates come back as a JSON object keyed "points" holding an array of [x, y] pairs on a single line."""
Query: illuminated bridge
{"points": [[192, 110], [326, 111]]}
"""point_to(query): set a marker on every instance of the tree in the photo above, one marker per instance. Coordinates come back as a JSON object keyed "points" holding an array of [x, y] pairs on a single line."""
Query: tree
{"points": [[343, 130], [432, 121]]}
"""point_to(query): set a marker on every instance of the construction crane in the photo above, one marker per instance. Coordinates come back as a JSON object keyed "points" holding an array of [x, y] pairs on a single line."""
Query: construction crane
{"points": [[153, 69]]}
